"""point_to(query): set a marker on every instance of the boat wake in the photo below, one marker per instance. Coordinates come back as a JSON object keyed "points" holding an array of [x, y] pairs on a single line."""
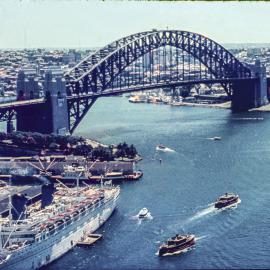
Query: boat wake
{"points": [[199, 238], [210, 210], [249, 118], [169, 150], [177, 252], [205, 212]]}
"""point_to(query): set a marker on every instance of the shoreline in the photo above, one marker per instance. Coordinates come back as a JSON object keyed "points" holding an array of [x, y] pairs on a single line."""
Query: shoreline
{"points": [[224, 105], [264, 108]]}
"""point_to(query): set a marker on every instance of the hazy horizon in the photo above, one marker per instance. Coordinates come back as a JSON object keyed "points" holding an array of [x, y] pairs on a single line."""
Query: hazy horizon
{"points": [[84, 24], [226, 45]]}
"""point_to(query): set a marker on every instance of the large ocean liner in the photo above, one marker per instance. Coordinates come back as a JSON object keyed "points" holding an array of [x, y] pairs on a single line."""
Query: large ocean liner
{"points": [[35, 235]]}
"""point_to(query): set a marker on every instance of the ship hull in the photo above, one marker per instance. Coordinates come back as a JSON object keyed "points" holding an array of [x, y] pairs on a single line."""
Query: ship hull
{"points": [[220, 205], [165, 251], [48, 250]]}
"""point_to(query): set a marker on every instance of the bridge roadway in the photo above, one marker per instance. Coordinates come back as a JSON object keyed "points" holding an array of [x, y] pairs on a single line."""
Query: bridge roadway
{"points": [[21, 103], [145, 87], [115, 91], [8, 110]]}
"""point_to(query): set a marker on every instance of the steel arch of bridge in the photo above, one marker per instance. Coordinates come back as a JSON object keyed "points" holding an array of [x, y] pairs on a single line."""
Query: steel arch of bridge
{"points": [[96, 73]]}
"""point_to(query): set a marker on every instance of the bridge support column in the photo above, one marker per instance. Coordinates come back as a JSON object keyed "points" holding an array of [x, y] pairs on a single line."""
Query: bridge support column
{"points": [[10, 126], [250, 93], [51, 116], [28, 84], [261, 87], [243, 97], [268, 88]]}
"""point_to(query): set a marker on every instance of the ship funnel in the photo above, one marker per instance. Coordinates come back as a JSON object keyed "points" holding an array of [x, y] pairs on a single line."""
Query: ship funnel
{"points": [[47, 195], [18, 210]]}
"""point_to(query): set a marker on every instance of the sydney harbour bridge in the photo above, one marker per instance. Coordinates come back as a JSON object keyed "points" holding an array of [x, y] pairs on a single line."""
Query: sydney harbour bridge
{"points": [[143, 61]]}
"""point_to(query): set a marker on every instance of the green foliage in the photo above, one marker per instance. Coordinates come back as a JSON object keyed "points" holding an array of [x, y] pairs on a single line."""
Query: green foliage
{"points": [[102, 154], [123, 150], [41, 141], [83, 150], [69, 145], [3, 136]]}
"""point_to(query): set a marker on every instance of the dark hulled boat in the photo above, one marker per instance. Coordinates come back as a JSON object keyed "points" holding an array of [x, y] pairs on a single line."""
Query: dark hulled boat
{"points": [[226, 200], [177, 244]]}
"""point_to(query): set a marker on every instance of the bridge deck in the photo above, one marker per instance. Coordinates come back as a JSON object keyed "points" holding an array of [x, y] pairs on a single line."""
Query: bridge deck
{"points": [[145, 87], [21, 103]]}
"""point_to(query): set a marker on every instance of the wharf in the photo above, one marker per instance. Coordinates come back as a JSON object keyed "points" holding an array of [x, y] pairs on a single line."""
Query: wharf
{"points": [[56, 166], [225, 105], [114, 177]]}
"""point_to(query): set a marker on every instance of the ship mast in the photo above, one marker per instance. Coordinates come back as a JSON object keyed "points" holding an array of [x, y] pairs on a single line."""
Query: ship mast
{"points": [[9, 209], [9, 195], [78, 183], [101, 181]]}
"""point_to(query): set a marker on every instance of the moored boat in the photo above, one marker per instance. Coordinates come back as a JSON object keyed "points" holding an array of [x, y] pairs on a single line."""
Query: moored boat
{"points": [[228, 199], [177, 244], [136, 175]]}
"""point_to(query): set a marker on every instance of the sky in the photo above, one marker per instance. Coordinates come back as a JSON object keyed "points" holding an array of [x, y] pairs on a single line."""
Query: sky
{"points": [[93, 23]]}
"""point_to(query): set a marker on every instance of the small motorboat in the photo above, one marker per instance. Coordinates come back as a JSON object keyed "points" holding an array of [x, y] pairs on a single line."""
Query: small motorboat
{"points": [[177, 244], [161, 147], [143, 213], [216, 138], [229, 199]]}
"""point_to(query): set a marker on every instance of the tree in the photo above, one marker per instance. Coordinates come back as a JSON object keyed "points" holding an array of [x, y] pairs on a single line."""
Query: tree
{"points": [[31, 141], [83, 150], [53, 146], [3, 136], [120, 153], [40, 139], [18, 138], [131, 151], [74, 140], [102, 153]]}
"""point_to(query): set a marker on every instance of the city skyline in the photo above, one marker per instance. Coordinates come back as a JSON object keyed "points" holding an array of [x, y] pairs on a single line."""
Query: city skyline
{"points": [[49, 24]]}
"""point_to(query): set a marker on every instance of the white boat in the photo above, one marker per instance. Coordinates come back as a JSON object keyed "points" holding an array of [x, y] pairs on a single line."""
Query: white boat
{"points": [[143, 213], [216, 138], [163, 148], [47, 230], [138, 99], [114, 176]]}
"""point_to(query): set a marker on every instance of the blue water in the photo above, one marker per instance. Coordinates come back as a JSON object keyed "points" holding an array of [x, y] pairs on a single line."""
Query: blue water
{"points": [[180, 190]]}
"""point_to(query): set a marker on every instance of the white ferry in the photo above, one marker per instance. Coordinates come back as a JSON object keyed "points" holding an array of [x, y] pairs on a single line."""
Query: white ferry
{"points": [[34, 236]]}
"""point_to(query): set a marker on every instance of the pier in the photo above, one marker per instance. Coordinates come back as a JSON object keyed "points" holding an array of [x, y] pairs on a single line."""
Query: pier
{"points": [[55, 164]]}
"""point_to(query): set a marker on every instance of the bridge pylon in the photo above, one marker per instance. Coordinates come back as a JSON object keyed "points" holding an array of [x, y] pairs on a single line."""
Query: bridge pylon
{"points": [[250, 93], [52, 115]]}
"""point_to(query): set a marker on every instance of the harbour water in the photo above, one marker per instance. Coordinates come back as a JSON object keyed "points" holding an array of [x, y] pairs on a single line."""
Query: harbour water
{"points": [[179, 191]]}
